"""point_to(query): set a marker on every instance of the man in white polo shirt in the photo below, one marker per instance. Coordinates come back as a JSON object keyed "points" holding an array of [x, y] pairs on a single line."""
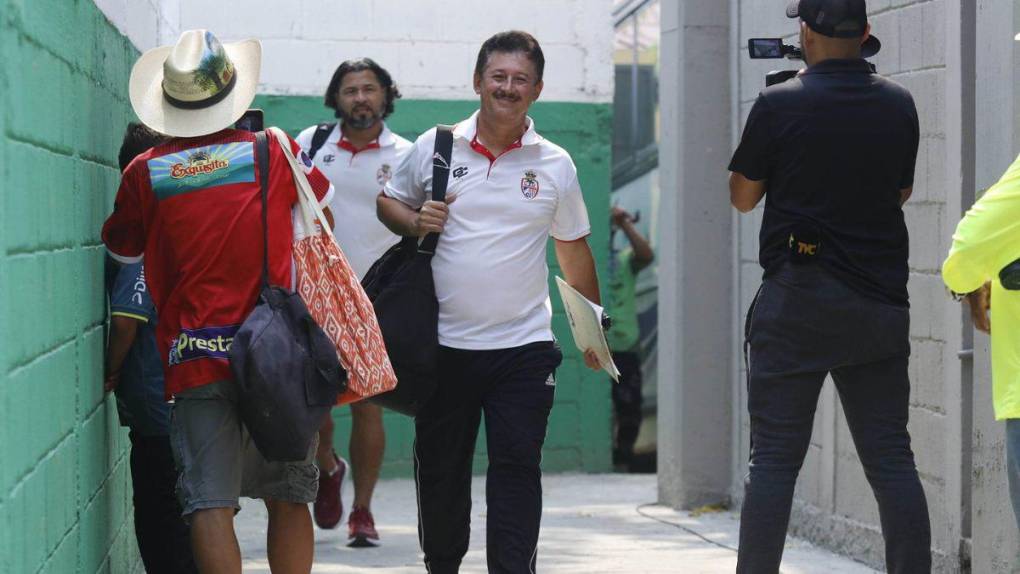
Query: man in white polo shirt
{"points": [[358, 154], [509, 190]]}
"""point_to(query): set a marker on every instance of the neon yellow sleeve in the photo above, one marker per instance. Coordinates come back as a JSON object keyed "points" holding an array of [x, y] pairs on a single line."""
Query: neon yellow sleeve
{"points": [[988, 237]]}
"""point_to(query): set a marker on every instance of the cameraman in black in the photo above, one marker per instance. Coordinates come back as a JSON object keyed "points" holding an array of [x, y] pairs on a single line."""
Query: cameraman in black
{"points": [[835, 149]]}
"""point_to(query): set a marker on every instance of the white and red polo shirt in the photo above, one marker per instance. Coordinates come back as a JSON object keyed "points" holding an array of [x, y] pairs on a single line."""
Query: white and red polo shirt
{"points": [[192, 206], [358, 176], [490, 268]]}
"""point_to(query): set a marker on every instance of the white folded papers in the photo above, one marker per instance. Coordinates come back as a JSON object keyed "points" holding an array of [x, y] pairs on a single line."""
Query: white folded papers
{"points": [[586, 326]]}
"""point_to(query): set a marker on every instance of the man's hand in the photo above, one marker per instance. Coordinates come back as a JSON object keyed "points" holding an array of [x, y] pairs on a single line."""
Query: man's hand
{"points": [[110, 381], [591, 360], [123, 330], [980, 302], [619, 216], [432, 217], [643, 254]]}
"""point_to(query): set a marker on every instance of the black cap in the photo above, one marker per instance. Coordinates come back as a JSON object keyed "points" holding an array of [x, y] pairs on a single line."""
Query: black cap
{"points": [[836, 19]]}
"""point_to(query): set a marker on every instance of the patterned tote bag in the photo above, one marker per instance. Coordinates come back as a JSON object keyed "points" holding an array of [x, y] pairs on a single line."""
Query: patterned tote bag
{"points": [[334, 296]]}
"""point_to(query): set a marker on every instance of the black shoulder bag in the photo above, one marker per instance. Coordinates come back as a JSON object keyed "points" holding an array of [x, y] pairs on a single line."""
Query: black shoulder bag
{"points": [[319, 137], [404, 296], [284, 364]]}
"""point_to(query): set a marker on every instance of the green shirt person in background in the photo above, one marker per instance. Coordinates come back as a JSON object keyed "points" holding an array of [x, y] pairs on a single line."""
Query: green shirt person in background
{"points": [[986, 241], [624, 337]]}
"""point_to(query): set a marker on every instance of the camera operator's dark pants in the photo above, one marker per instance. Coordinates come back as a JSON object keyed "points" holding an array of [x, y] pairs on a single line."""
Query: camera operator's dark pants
{"points": [[163, 537], [515, 388], [804, 325]]}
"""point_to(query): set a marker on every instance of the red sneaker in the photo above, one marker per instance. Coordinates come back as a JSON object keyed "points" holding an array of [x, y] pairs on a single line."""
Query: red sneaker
{"points": [[361, 528], [329, 507]]}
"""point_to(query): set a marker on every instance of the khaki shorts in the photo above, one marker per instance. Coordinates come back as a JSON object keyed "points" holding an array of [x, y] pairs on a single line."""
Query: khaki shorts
{"points": [[217, 460]]}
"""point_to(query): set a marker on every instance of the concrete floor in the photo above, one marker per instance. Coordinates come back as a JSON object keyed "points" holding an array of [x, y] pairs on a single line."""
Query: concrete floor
{"points": [[592, 524]]}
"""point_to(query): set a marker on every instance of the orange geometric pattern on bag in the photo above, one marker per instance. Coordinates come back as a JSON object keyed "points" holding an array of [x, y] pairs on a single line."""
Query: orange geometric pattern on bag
{"points": [[334, 296]]}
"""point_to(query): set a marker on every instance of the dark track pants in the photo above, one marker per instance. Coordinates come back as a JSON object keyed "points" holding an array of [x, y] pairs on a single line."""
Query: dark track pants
{"points": [[515, 389], [804, 325], [163, 537]]}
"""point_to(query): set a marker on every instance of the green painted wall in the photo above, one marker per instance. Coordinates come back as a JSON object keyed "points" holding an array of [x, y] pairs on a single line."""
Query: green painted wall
{"points": [[64, 495], [579, 430]]}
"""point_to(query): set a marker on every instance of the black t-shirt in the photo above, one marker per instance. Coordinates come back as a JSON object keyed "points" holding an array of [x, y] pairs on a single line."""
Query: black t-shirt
{"points": [[836, 144]]}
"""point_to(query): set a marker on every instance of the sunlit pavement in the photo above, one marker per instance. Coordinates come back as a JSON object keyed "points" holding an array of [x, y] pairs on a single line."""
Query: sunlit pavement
{"points": [[591, 524]]}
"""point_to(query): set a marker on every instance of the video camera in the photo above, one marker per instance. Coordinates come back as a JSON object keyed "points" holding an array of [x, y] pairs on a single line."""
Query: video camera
{"points": [[775, 49]]}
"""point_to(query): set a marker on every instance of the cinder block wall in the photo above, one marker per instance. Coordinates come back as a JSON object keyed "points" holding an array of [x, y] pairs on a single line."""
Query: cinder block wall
{"points": [[65, 497], [994, 536]]}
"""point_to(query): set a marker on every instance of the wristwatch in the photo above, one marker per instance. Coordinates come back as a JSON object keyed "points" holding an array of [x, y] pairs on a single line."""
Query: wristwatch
{"points": [[607, 322]]}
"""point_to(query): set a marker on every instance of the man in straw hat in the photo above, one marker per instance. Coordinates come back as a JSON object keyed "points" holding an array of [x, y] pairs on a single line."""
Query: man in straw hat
{"points": [[192, 206]]}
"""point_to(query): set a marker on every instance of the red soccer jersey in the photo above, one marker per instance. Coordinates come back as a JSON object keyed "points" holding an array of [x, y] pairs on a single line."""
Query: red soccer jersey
{"points": [[193, 207]]}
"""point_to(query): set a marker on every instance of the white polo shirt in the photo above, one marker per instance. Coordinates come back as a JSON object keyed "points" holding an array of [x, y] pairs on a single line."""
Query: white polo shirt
{"points": [[358, 176], [490, 268]]}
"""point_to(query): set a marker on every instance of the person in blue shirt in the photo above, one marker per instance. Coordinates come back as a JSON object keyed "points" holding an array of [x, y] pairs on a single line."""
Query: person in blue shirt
{"points": [[134, 373]]}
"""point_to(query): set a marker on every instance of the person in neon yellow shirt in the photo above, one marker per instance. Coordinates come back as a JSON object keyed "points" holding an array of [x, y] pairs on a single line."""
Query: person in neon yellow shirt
{"points": [[987, 240]]}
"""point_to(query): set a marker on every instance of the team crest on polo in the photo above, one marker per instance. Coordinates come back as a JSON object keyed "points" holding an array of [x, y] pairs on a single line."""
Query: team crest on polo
{"points": [[202, 167], [529, 184], [382, 177]]}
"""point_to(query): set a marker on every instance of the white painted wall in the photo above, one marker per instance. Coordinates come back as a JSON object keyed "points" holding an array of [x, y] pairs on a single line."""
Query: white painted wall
{"points": [[430, 46], [147, 23]]}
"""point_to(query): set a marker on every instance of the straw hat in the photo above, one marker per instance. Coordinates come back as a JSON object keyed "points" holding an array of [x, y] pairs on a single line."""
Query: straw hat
{"points": [[196, 87]]}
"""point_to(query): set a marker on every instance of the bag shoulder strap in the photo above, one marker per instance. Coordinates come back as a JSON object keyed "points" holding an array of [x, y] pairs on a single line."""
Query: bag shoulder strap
{"points": [[308, 202], [262, 159], [320, 136], [441, 160]]}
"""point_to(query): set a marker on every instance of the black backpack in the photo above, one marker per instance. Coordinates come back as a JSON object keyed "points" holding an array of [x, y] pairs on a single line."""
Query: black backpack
{"points": [[284, 364], [404, 296]]}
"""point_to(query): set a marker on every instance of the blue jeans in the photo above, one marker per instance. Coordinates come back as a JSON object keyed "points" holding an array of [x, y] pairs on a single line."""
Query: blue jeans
{"points": [[1013, 465]]}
